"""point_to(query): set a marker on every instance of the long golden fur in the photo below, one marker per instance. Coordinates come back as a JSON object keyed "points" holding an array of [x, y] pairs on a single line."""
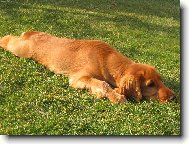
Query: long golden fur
{"points": [[91, 64]]}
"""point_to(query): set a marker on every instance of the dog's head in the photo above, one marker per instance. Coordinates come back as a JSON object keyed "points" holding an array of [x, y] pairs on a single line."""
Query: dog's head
{"points": [[143, 81]]}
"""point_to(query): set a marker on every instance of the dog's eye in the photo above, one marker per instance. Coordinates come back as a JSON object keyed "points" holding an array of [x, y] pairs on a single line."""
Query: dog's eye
{"points": [[150, 83]]}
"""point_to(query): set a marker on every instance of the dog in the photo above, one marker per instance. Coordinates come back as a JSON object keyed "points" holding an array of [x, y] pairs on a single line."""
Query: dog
{"points": [[92, 65]]}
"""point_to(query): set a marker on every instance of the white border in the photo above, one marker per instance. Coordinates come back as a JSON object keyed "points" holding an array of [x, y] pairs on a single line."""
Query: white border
{"points": [[2, 139], [131, 140]]}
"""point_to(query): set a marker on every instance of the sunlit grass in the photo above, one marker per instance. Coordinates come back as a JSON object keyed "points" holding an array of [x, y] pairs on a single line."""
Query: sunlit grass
{"points": [[35, 101]]}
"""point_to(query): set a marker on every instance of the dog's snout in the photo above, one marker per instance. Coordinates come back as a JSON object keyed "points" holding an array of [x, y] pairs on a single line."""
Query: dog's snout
{"points": [[172, 97]]}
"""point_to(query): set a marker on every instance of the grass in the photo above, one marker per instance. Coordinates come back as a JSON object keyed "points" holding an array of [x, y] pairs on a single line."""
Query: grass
{"points": [[35, 101]]}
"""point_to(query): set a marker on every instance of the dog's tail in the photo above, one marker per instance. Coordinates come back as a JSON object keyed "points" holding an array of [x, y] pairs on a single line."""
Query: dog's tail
{"points": [[16, 45], [4, 41]]}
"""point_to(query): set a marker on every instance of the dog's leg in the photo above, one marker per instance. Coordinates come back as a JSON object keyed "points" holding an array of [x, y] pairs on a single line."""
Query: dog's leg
{"points": [[100, 88], [16, 45]]}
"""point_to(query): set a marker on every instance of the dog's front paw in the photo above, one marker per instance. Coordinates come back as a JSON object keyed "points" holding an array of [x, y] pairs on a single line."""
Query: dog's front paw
{"points": [[114, 97], [122, 99]]}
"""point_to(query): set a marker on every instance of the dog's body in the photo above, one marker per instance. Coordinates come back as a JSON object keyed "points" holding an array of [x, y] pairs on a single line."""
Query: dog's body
{"points": [[90, 64]]}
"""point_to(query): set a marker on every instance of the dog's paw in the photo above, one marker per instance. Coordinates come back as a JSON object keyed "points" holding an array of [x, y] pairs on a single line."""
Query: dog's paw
{"points": [[114, 97], [122, 99]]}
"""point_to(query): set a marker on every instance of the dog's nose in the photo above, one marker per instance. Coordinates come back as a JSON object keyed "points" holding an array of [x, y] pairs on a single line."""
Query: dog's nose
{"points": [[172, 97]]}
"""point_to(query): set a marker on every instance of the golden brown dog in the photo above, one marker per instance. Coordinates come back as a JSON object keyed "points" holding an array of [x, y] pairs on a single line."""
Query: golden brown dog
{"points": [[92, 65]]}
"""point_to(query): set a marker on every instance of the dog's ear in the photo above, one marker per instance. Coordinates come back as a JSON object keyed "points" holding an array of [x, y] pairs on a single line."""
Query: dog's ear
{"points": [[130, 86]]}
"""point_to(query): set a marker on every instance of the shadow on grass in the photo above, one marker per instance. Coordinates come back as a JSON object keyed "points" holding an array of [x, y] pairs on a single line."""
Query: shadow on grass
{"points": [[168, 8], [52, 17]]}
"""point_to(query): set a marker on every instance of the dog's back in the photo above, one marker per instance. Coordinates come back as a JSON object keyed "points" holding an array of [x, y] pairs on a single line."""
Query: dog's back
{"points": [[67, 56]]}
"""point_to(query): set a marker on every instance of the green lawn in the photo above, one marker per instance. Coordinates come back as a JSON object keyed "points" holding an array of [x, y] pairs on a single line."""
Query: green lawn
{"points": [[35, 101]]}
